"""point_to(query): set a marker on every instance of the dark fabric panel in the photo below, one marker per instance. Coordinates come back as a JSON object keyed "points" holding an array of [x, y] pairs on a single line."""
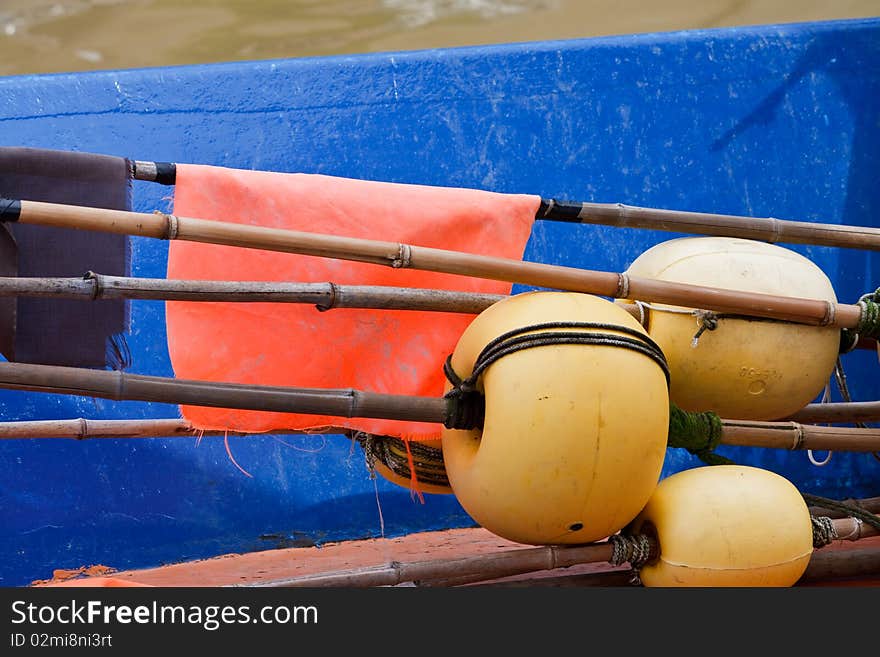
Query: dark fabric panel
{"points": [[8, 267], [67, 332]]}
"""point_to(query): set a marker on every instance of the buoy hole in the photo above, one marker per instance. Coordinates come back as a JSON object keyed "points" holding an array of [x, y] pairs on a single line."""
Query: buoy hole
{"points": [[757, 387]]}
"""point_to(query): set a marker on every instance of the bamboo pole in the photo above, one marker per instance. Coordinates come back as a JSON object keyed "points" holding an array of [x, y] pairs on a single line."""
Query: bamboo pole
{"points": [[121, 386], [488, 566], [610, 578], [506, 563], [86, 429], [841, 412], [830, 565], [851, 529], [754, 228], [401, 256], [825, 566], [774, 435], [795, 436], [323, 295], [766, 229]]}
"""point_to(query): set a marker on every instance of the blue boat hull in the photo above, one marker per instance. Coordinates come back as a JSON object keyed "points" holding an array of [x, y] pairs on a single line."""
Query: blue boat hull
{"points": [[766, 121]]}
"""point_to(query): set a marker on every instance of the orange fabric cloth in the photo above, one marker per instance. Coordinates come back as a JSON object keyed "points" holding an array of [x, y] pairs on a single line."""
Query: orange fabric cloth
{"points": [[398, 352]]}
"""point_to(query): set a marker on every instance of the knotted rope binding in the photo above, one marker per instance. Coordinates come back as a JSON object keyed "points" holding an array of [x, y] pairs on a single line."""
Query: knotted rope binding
{"points": [[698, 433], [847, 509], [824, 532], [707, 321], [637, 550], [392, 453], [869, 322], [466, 405]]}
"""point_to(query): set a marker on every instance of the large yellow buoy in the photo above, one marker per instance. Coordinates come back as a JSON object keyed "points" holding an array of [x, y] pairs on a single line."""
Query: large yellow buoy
{"points": [[726, 525], [748, 369], [574, 434]]}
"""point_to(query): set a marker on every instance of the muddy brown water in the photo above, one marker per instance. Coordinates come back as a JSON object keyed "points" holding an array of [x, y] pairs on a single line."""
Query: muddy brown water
{"points": [[42, 36]]}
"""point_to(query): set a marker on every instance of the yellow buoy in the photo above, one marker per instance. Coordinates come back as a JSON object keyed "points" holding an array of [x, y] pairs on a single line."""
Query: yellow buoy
{"points": [[574, 434], [749, 369], [726, 525]]}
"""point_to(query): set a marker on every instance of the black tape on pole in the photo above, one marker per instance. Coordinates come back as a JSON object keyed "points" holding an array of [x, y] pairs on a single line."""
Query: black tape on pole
{"points": [[10, 210], [166, 173], [559, 211]]}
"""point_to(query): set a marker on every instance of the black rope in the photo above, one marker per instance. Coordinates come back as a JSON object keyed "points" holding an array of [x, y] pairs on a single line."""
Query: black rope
{"points": [[392, 453], [843, 387], [848, 340], [847, 509], [517, 340], [466, 408]]}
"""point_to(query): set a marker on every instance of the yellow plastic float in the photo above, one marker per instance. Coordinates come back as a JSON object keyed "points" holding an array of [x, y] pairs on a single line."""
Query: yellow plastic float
{"points": [[574, 434], [747, 369], [726, 525]]}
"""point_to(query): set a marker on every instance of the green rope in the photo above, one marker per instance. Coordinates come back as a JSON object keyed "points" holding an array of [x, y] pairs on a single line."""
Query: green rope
{"points": [[869, 322], [698, 433]]}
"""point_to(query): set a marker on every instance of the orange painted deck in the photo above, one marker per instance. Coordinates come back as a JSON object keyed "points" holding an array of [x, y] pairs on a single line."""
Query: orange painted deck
{"points": [[840, 564]]}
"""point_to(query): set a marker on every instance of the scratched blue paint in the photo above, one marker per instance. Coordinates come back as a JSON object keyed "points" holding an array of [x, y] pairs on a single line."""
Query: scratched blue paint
{"points": [[766, 121]]}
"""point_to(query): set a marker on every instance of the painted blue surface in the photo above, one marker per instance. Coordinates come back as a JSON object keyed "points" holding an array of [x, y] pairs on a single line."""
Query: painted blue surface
{"points": [[766, 121]]}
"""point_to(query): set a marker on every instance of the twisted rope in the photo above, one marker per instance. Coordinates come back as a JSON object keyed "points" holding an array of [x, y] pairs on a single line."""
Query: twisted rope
{"points": [[637, 550], [392, 453], [698, 433], [824, 532], [869, 322], [847, 509], [869, 318], [465, 404]]}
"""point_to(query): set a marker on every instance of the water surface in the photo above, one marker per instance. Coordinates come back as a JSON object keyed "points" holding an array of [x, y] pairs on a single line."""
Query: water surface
{"points": [[38, 36]]}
